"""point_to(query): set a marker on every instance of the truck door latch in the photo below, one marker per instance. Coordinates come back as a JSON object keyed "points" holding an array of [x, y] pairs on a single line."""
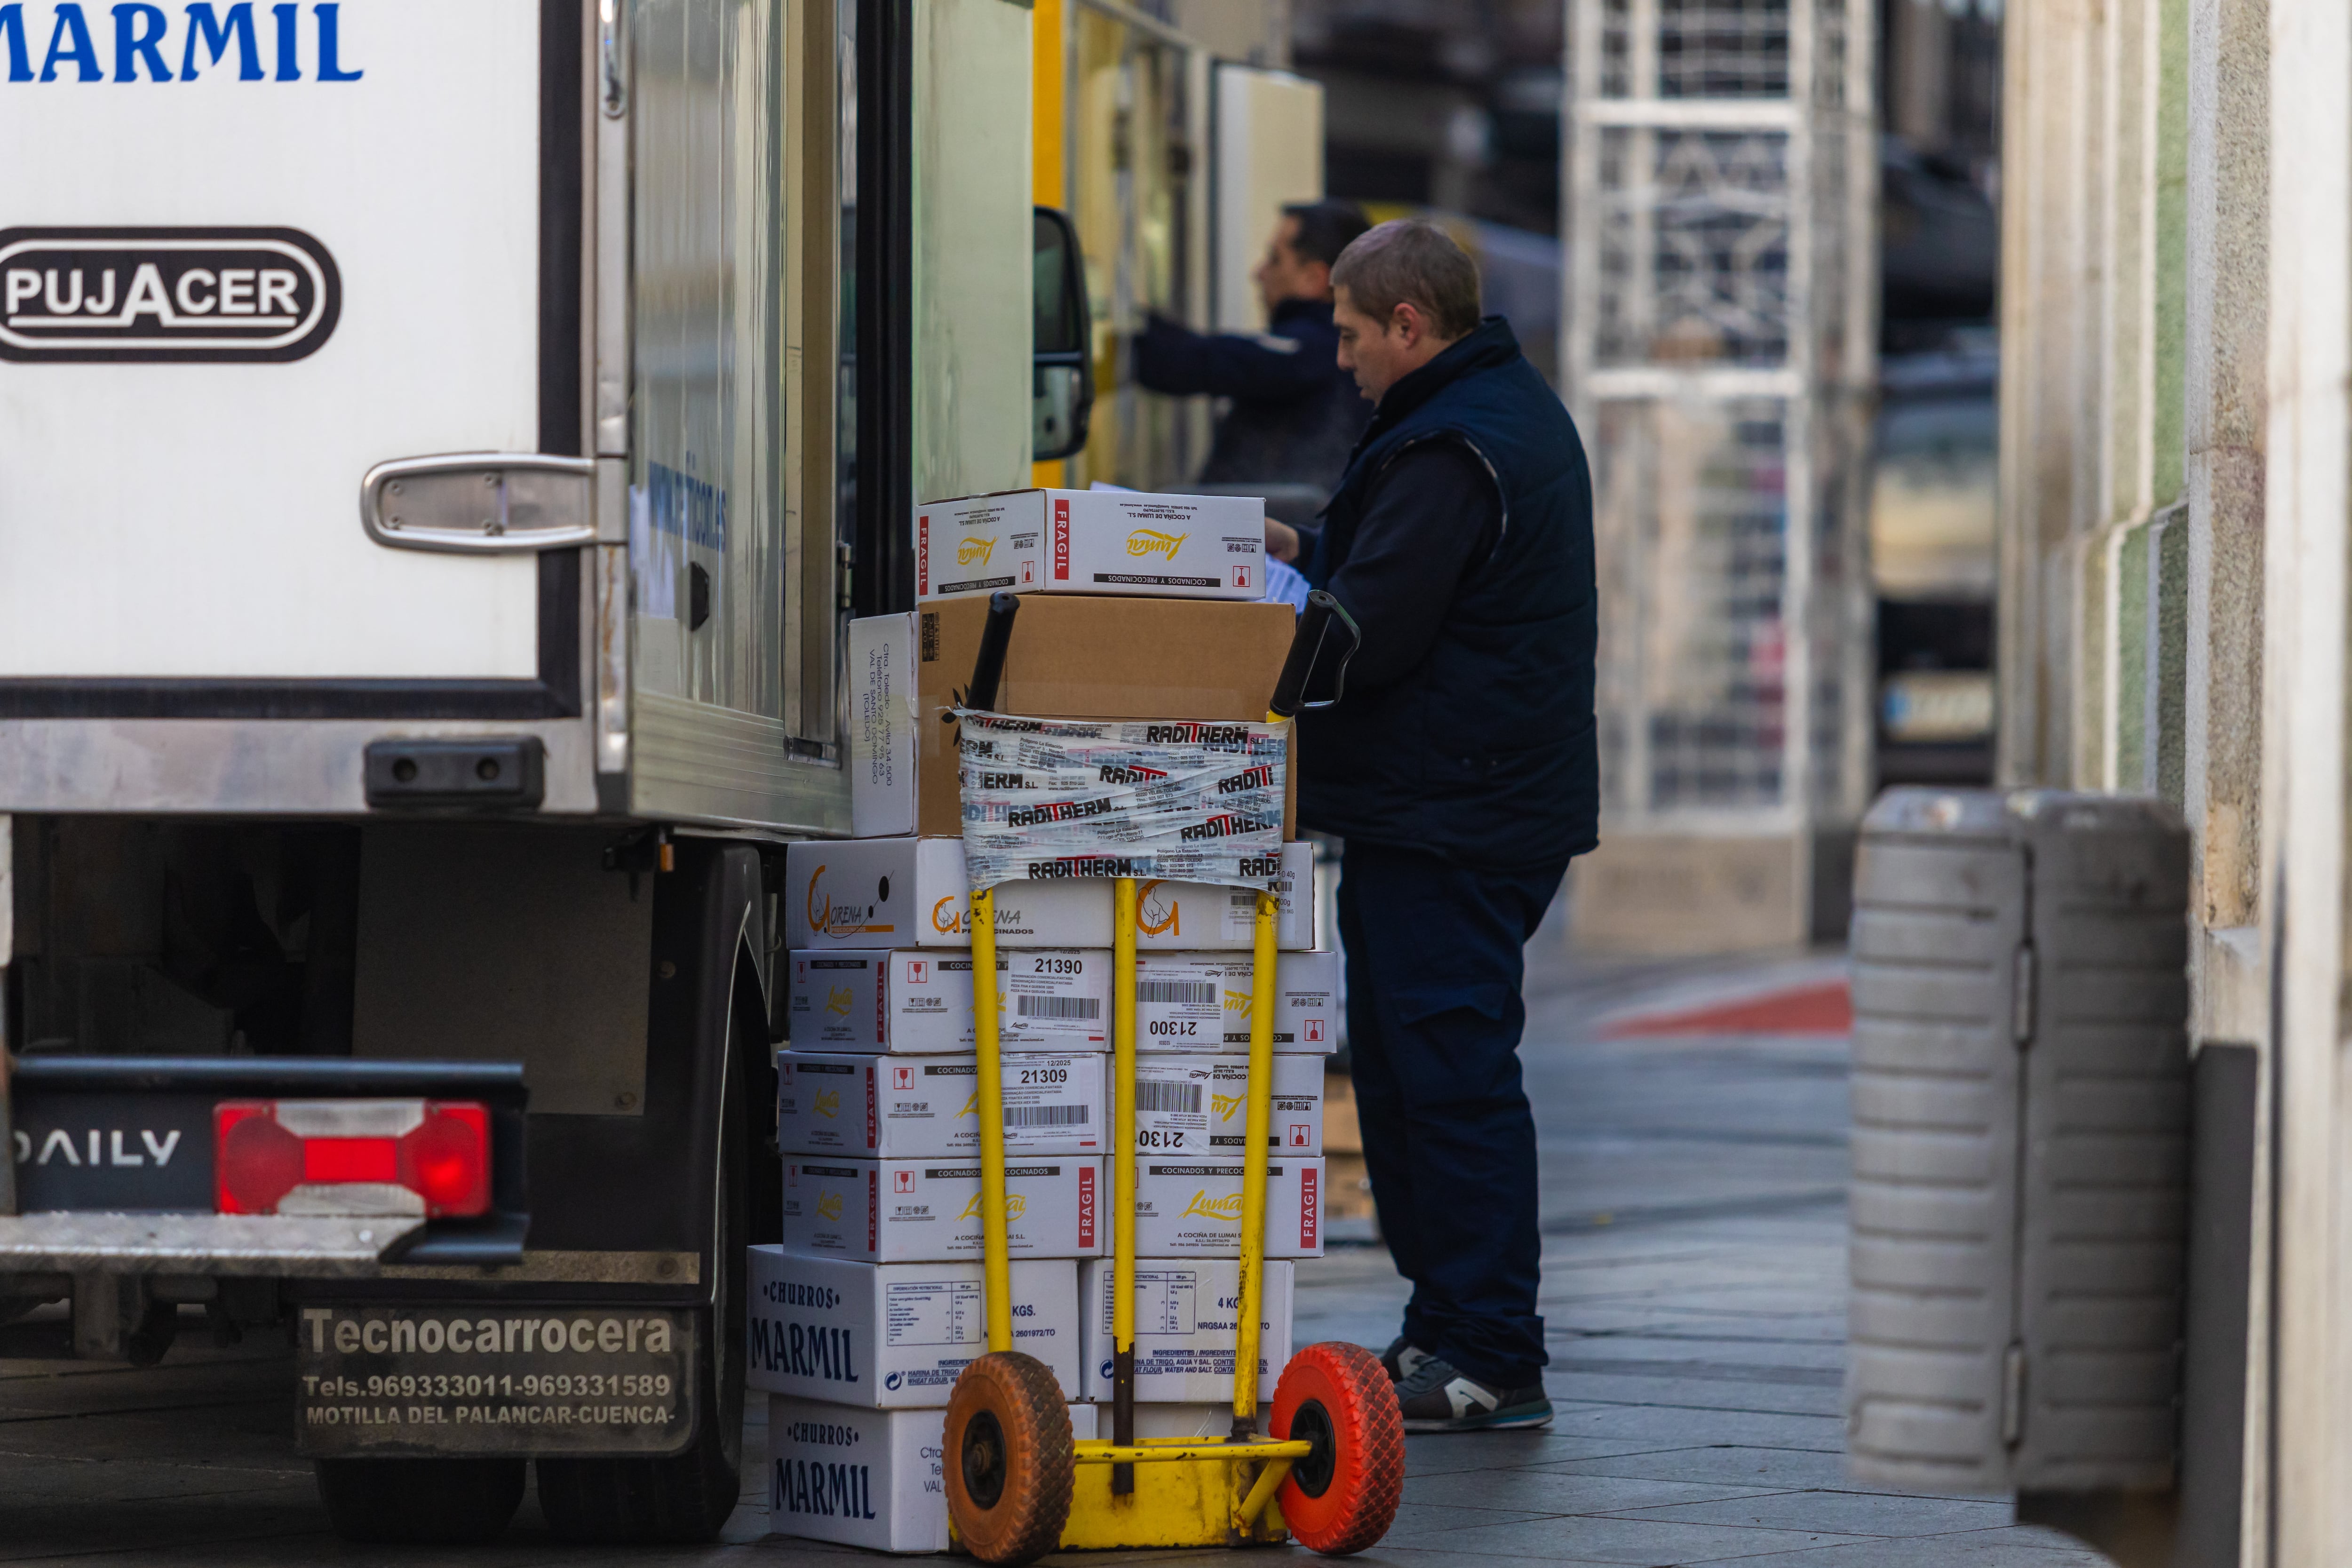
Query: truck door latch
{"points": [[481, 503]]}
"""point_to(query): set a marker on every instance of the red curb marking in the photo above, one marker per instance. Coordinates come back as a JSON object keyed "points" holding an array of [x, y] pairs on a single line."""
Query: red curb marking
{"points": [[1823, 1009]]}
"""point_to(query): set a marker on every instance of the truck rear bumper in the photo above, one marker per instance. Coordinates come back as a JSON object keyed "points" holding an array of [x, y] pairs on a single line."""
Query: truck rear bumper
{"points": [[225, 1243]]}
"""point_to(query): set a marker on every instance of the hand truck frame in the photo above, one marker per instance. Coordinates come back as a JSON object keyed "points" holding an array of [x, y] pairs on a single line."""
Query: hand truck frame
{"points": [[1330, 1467]]}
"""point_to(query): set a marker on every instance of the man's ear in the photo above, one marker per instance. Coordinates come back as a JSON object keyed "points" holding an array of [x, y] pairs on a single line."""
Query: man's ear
{"points": [[1405, 322]]}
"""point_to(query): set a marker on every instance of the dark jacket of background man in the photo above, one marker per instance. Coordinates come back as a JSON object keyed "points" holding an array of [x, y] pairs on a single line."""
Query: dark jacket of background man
{"points": [[1467, 724], [1295, 414]]}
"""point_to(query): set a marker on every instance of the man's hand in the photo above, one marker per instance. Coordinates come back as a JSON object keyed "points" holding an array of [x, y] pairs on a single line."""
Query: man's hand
{"points": [[1281, 541]]}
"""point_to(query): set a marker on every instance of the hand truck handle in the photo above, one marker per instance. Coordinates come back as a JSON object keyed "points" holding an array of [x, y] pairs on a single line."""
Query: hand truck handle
{"points": [[1315, 628], [995, 639]]}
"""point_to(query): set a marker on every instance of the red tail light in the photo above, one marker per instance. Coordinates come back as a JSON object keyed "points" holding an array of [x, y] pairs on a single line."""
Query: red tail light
{"points": [[427, 1157]]}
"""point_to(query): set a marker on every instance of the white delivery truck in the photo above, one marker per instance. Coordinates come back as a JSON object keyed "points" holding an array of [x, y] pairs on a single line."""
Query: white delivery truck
{"points": [[421, 584]]}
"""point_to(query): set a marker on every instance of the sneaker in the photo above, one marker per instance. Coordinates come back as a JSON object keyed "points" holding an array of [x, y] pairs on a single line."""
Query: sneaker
{"points": [[1436, 1398], [1402, 1358]]}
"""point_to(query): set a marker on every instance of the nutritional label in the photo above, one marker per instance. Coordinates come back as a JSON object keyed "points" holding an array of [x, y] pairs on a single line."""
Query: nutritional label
{"points": [[947, 1312]]}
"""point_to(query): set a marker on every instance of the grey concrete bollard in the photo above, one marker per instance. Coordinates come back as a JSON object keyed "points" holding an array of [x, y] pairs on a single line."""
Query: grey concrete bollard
{"points": [[2020, 1141]]}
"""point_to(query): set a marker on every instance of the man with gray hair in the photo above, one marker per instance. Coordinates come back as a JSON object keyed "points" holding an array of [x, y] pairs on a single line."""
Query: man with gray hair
{"points": [[1460, 768]]}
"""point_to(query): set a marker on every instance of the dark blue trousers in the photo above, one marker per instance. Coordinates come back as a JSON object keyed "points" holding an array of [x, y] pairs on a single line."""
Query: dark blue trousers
{"points": [[1434, 1016]]}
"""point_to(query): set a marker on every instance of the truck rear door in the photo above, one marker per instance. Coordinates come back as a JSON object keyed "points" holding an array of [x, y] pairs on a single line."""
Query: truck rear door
{"points": [[248, 252]]}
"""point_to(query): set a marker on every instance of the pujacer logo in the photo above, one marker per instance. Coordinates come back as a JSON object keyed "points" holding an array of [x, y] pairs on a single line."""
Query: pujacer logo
{"points": [[1151, 542], [83, 296]]}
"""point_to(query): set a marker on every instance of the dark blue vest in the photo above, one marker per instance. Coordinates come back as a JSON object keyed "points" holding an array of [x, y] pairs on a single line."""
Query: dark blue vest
{"points": [[1484, 752]]}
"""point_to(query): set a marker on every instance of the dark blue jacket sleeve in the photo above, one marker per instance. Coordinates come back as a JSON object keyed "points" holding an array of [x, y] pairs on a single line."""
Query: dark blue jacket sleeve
{"points": [[1173, 358]]}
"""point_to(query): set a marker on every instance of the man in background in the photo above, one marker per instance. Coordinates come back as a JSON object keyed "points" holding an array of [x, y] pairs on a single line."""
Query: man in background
{"points": [[1295, 413], [1459, 765]]}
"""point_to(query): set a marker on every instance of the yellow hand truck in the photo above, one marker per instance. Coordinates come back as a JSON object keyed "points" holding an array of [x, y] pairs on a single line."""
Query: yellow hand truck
{"points": [[1329, 1467]]}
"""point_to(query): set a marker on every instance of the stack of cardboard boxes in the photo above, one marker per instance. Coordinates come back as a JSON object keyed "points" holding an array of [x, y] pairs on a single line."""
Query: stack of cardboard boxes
{"points": [[865, 1315]]}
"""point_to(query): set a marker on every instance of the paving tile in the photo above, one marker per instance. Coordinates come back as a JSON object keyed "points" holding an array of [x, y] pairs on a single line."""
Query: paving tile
{"points": [[1640, 1541], [1420, 1523], [1779, 1469], [1438, 1453], [1699, 1393], [1550, 1492], [1687, 1428], [1848, 1513], [1976, 1549]]}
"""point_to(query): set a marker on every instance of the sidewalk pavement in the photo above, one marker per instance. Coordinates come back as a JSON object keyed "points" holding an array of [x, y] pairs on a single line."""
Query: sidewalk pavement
{"points": [[1694, 1291]]}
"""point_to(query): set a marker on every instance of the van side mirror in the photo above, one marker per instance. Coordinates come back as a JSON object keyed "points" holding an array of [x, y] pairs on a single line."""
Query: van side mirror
{"points": [[1062, 383]]}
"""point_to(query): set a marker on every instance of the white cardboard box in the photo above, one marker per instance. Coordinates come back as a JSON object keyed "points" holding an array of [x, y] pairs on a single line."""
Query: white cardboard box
{"points": [[1185, 1313], [895, 1335], [916, 1106], [875, 893], [1092, 541], [1200, 1002], [874, 1479], [1200, 1104], [920, 999], [926, 1210], [1186, 1207]]}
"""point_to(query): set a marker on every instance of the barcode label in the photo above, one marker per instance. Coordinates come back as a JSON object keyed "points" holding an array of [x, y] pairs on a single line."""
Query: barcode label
{"points": [[1192, 991], [1155, 1096], [1046, 1115], [1059, 1006]]}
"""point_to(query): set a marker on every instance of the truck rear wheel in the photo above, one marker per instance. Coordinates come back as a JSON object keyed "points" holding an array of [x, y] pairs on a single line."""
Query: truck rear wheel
{"points": [[686, 1497], [429, 1502]]}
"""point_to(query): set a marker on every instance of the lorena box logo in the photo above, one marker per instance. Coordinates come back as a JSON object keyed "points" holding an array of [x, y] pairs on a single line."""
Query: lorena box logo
{"points": [[84, 296]]}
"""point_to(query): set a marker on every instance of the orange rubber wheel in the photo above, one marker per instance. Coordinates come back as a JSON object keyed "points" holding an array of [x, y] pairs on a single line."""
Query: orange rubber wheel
{"points": [[1009, 1459], [1342, 1496]]}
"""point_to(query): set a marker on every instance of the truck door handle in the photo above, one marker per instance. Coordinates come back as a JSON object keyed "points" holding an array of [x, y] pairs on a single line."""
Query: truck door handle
{"points": [[478, 503]]}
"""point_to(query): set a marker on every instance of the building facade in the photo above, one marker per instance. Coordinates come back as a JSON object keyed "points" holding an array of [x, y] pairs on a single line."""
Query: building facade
{"points": [[2177, 342]]}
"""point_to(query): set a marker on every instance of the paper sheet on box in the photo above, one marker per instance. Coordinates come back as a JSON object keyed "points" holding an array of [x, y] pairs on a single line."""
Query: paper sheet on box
{"points": [[1047, 799]]}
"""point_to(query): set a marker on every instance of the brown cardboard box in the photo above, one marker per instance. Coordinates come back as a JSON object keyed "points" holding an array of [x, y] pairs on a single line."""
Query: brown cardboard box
{"points": [[1073, 656]]}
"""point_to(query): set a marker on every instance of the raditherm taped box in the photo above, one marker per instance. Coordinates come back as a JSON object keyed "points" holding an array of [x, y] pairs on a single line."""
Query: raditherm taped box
{"points": [[920, 1000], [1092, 541], [926, 1210], [880, 893], [1200, 1104], [887, 1107], [1185, 1313], [894, 1335]]}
